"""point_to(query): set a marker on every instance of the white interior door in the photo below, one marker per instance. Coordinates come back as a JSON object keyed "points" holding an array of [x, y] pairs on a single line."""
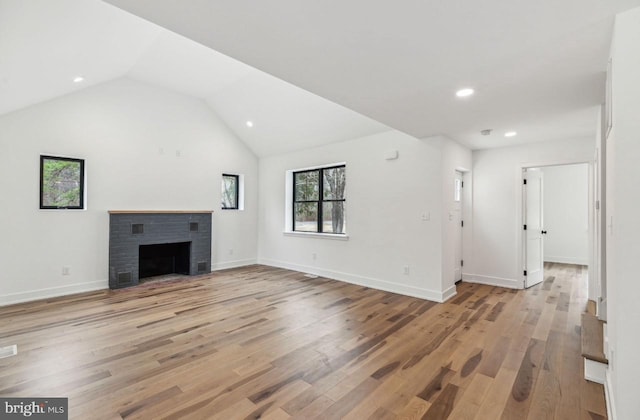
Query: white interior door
{"points": [[457, 219], [534, 243]]}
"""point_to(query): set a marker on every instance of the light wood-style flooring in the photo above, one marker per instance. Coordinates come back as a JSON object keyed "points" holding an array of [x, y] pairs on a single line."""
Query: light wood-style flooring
{"points": [[262, 342]]}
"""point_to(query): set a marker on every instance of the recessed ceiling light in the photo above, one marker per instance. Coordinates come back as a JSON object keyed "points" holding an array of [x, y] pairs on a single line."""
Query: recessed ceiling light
{"points": [[462, 93], [78, 79], [510, 134], [249, 123]]}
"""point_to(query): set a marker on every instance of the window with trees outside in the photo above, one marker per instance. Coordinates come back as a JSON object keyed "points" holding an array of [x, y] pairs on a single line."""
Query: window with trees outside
{"points": [[319, 200], [230, 191], [61, 183]]}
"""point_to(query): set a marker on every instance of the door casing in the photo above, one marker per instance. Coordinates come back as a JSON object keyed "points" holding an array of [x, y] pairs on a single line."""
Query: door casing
{"points": [[521, 236]]}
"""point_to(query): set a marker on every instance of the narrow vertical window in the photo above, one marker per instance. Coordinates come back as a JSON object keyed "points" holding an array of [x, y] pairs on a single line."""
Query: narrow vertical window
{"points": [[319, 200], [61, 183], [230, 191], [457, 192]]}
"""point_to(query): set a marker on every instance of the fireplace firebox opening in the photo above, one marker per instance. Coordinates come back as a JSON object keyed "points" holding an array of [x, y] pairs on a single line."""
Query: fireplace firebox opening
{"points": [[161, 259]]}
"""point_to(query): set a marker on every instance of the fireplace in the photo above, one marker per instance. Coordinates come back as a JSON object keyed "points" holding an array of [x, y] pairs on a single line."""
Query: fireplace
{"points": [[144, 244]]}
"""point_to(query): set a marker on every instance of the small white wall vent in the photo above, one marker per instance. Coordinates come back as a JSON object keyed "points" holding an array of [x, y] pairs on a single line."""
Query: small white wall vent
{"points": [[8, 351]]}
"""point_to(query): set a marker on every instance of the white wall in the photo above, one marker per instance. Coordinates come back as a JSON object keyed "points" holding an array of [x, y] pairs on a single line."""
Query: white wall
{"points": [[128, 133], [385, 201], [566, 215], [623, 206], [497, 206]]}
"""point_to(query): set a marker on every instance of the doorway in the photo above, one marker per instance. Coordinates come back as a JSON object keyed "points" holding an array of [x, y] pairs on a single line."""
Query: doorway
{"points": [[556, 218]]}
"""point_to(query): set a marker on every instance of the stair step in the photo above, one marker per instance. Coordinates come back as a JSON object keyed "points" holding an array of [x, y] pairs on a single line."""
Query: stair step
{"points": [[592, 339]]}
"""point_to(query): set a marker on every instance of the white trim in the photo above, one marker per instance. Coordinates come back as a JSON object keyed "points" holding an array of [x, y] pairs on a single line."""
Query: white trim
{"points": [[492, 281], [379, 284], [334, 236], [449, 293], [594, 371], [240, 192], [311, 168], [233, 264], [71, 289], [608, 396], [567, 260]]}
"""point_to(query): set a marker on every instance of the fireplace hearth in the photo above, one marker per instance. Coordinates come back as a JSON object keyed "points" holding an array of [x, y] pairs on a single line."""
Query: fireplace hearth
{"points": [[145, 244]]}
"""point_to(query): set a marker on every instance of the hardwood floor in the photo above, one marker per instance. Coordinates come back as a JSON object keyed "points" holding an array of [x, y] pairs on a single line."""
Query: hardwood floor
{"points": [[261, 342]]}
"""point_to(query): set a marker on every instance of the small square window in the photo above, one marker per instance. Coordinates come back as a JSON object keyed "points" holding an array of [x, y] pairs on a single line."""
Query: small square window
{"points": [[230, 191], [61, 183]]}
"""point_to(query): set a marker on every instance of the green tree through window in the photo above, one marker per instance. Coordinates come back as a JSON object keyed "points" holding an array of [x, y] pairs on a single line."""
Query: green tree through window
{"points": [[61, 183], [319, 200], [230, 191]]}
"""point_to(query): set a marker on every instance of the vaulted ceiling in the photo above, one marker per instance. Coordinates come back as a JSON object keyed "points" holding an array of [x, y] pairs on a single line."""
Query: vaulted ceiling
{"points": [[45, 44], [313, 72]]}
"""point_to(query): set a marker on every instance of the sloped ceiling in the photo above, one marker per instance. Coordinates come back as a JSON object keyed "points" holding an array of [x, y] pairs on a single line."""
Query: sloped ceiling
{"points": [[44, 45], [284, 117], [538, 67]]}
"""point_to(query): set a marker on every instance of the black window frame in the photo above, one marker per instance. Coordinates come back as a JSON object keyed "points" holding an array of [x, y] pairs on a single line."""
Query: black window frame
{"points": [[237, 197], [319, 201], [80, 205]]}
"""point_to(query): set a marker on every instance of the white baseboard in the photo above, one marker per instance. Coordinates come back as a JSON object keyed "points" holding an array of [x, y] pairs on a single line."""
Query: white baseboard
{"points": [[379, 284], [608, 396], [50, 292], [566, 260], [492, 281], [233, 264], [449, 293], [594, 371]]}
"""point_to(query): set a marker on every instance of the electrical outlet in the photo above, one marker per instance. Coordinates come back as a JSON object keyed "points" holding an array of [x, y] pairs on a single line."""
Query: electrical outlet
{"points": [[405, 270], [66, 271], [426, 217], [230, 251], [314, 256]]}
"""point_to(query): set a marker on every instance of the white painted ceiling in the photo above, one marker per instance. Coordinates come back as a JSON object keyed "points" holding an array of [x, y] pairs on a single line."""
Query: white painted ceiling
{"points": [[284, 117], [537, 67], [45, 44]]}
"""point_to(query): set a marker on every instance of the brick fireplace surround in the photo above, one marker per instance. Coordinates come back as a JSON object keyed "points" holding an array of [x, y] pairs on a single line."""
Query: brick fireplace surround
{"points": [[131, 229]]}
